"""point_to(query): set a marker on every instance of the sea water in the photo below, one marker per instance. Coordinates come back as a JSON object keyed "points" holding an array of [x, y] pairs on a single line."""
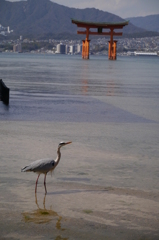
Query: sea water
{"points": [[108, 109]]}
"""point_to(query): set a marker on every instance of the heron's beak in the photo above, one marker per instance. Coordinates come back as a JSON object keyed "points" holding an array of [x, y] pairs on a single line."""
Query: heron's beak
{"points": [[68, 143]]}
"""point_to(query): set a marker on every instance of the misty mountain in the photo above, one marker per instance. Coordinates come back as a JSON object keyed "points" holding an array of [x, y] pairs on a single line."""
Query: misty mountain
{"points": [[150, 23], [39, 18]]}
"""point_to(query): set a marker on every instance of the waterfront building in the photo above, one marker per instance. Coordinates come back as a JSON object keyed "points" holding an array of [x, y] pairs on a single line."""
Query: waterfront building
{"points": [[79, 48], [67, 49], [60, 49], [72, 49]]}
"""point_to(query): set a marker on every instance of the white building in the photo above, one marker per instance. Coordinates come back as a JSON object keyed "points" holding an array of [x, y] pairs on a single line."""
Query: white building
{"points": [[72, 49], [5, 30], [8, 30], [79, 48]]}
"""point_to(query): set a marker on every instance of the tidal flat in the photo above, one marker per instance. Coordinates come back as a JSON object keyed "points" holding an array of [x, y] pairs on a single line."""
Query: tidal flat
{"points": [[106, 185], [81, 202]]}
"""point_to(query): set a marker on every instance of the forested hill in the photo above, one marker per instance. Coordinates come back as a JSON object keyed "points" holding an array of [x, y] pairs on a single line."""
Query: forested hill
{"points": [[150, 23], [38, 18]]}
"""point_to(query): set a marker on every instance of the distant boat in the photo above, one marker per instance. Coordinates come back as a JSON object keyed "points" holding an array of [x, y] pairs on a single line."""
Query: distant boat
{"points": [[145, 53]]}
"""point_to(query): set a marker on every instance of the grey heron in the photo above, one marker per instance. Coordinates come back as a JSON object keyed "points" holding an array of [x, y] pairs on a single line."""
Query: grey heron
{"points": [[44, 165]]}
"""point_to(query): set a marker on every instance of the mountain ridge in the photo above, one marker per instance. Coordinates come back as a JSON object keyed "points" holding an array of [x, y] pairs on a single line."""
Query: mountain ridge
{"points": [[38, 18], [149, 23]]}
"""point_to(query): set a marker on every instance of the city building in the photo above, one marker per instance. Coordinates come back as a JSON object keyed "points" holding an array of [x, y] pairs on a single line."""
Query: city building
{"points": [[72, 49], [17, 48], [60, 49], [79, 48], [67, 50]]}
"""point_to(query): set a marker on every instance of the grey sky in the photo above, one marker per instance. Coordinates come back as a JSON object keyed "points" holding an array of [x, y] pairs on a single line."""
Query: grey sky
{"points": [[122, 8]]}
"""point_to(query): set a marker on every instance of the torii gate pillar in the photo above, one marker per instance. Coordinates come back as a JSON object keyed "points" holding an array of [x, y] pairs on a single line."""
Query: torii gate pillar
{"points": [[85, 46], [85, 49], [112, 50]]}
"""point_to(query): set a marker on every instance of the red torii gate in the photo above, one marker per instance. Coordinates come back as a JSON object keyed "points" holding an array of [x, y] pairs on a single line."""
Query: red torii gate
{"points": [[100, 27]]}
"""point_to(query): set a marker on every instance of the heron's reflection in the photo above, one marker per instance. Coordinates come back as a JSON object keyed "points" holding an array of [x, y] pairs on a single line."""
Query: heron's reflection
{"points": [[43, 215]]}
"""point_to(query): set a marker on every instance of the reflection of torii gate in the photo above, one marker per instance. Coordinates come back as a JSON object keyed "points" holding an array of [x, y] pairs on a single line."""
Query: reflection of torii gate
{"points": [[100, 27]]}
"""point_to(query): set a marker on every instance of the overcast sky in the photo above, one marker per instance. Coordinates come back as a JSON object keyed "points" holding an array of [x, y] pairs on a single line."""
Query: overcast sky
{"points": [[122, 8]]}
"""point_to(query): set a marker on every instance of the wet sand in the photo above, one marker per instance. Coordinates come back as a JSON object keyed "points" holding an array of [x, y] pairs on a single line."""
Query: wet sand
{"points": [[80, 211]]}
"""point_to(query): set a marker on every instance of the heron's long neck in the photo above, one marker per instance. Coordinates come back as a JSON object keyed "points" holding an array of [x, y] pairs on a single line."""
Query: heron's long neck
{"points": [[58, 156]]}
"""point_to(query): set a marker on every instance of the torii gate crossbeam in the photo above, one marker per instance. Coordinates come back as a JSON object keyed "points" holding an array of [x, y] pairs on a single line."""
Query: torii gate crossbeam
{"points": [[99, 27]]}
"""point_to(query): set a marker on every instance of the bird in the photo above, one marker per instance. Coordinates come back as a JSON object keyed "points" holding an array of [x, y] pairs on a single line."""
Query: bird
{"points": [[44, 166]]}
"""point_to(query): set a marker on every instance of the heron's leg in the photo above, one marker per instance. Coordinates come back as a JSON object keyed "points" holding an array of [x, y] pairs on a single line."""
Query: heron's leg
{"points": [[45, 183], [37, 183]]}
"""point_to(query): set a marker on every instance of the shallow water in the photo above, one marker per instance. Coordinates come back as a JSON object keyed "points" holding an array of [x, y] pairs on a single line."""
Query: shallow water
{"points": [[108, 109]]}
